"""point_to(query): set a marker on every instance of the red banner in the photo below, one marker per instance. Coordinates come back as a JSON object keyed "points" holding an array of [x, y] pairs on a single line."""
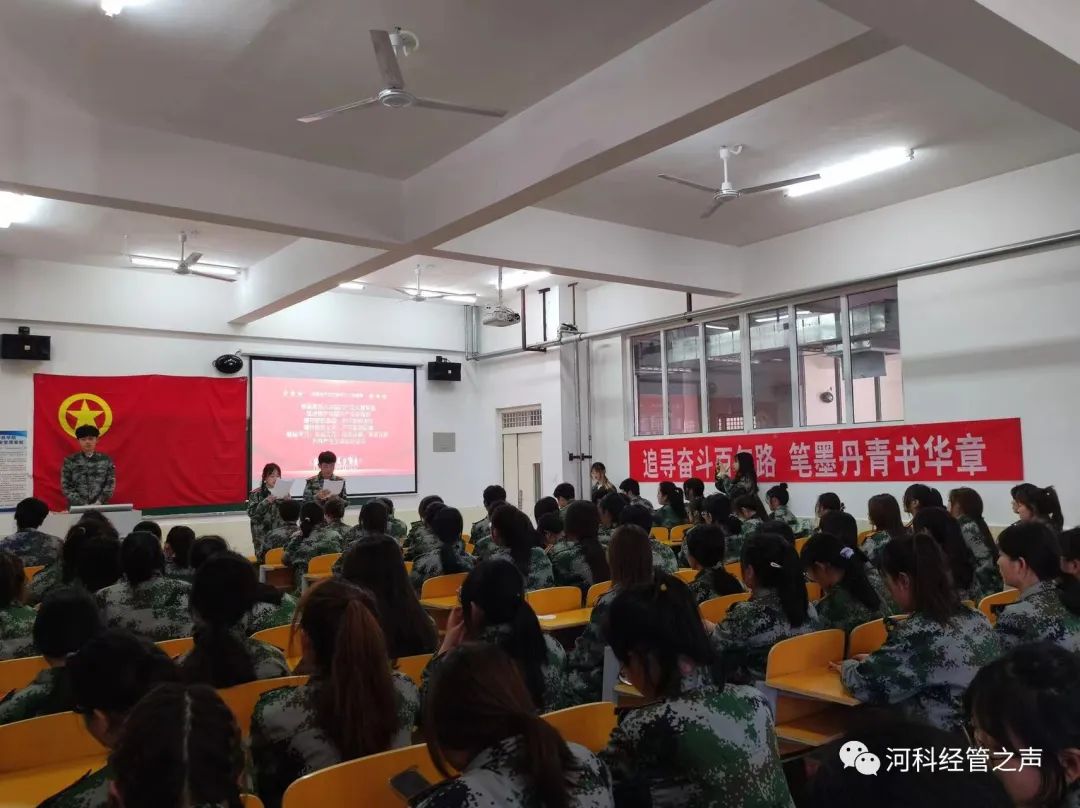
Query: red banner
{"points": [[956, 451], [175, 440]]}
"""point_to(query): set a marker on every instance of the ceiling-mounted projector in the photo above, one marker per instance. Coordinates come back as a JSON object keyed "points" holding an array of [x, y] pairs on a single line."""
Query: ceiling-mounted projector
{"points": [[500, 316]]}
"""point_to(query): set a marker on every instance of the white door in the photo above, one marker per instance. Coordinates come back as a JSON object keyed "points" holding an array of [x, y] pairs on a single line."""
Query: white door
{"points": [[521, 469]]}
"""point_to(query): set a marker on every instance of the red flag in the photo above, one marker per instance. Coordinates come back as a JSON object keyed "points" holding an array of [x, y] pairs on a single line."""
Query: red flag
{"points": [[175, 440]]}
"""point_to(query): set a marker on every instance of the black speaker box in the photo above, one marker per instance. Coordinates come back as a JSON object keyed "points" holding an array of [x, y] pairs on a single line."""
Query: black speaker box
{"points": [[25, 346], [444, 371]]}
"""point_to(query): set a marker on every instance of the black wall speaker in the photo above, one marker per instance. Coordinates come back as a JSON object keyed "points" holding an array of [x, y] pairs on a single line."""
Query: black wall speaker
{"points": [[444, 371], [25, 346]]}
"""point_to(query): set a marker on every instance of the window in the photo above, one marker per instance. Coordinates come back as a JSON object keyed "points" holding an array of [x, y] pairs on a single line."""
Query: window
{"points": [[683, 348], [875, 356], [821, 362], [770, 368], [723, 375], [648, 385]]}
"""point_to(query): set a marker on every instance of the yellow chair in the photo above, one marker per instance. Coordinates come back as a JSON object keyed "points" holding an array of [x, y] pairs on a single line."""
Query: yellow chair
{"points": [[554, 599], [808, 722], [470, 548], [322, 564], [589, 725], [408, 566], [866, 534], [177, 647], [281, 637], [18, 673], [715, 609], [678, 533], [813, 591], [250, 801], [275, 557], [686, 576], [661, 534], [466, 537], [252, 559], [365, 781], [242, 699], [805, 652], [46, 741], [595, 591], [442, 586], [867, 638], [734, 568], [801, 543], [30, 572], [413, 666], [997, 599]]}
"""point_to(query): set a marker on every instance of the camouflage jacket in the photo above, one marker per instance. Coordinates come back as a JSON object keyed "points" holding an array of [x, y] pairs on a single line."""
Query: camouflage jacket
{"points": [[556, 689], [17, 632], [736, 488], [569, 566], [708, 747], [1038, 615], [498, 776], [585, 662], [712, 582], [86, 480], [156, 609], [44, 582], [270, 615], [313, 485], [301, 549], [480, 530], [419, 542], [733, 543], [663, 557], [36, 699], [540, 575], [924, 667], [666, 517], [784, 514], [429, 565], [287, 742], [268, 660], [838, 608], [36, 549], [605, 534], [397, 529], [743, 639], [89, 791], [278, 537], [178, 573], [264, 515], [643, 503], [484, 548], [987, 575], [873, 546]]}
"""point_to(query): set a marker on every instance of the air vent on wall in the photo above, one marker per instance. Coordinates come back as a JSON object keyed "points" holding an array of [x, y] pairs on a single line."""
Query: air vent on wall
{"points": [[516, 419]]}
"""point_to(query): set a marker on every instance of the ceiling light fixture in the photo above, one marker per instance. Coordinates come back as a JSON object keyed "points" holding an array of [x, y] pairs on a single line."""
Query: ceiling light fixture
{"points": [[153, 262], [352, 286], [516, 278], [15, 208], [716, 327], [859, 167], [112, 8], [467, 299]]}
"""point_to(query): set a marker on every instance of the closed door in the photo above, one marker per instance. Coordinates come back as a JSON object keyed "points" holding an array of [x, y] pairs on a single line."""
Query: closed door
{"points": [[521, 469]]}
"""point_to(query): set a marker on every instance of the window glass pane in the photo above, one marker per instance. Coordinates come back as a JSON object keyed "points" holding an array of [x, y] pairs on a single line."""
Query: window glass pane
{"points": [[770, 368], [723, 375], [683, 379], [648, 394], [821, 362], [875, 356]]}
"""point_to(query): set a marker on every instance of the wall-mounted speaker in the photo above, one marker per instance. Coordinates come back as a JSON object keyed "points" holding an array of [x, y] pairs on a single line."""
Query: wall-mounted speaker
{"points": [[443, 371], [26, 346]]}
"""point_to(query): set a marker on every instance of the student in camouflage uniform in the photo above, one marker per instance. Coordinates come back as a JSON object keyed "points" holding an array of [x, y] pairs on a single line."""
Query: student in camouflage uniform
{"points": [[930, 657], [108, 678], [884, 513], [16, 619], [146, 602], [421, 539], [178, 544], [315, 538], [479, 710], [937, 521], [631, 565], [706, 547], [450, 558], [353, 705], [1030, 561], [36, 549], [480, 534], [505, 619], [610, 508], [88, 477], [672, 509], [778, 498], [752, 515], [967, 506], [564, 494], [289, 514], [313, 486], [262, 507], [738, 482], [67, 619], [579, 560], [1027, 700], [702, 743], [516, 541], [664, 560], [335, 508], [632, 489], [850, 598], [717, 511], [777, 609], [65, 570], [269, 611], [395, 528], [374, 522]]}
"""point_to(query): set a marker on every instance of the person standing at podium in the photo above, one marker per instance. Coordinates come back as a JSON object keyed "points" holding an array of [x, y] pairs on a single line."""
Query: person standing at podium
{"points": [[88, 477]]}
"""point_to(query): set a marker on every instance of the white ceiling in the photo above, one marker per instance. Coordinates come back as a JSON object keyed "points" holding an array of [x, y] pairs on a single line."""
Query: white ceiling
{"points": [[961, 131], [242, 71]]}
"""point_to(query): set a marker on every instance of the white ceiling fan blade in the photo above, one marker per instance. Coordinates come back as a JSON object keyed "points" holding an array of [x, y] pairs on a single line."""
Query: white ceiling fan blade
{"points": [[327, 113], [193, 258], [773, 186], [431, 103], [715, 206], [209, 275], [688, 183], [387, 59]]}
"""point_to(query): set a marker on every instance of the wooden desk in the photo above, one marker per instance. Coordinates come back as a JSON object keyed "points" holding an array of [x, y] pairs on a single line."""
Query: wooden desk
{"points": [[26, 789], [446, 603], [571, 619], [276, 575], [821, 684]]}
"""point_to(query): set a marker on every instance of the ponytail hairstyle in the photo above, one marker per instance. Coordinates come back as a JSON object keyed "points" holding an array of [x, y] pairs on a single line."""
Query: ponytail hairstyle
{"points": [[355, 706], [428, 500], [515, 532], [223, 592], [180, 540], [447, 525], [779, 492], [476, 700], [12, 579], [431, 511], [268, 469], [825, 548], [884, 513], [180, 746], [970, 504], [696, 510], [613, 504], [674, 497], [776, 566], [753, 503], [829, 501], [660, 624], [718, 507], [141, 558], [946, 532], [921, 558], [499, 590], [631, 557], [1037, 544], [311, 516], [1070, 544], [1042, 502], [843, 526], [744, 467], [926, 496], [581, 524]]}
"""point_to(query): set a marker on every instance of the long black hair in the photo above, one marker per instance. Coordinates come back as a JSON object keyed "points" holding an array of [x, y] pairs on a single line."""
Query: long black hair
{"points": [[223, 592], [842, 525], [970, 503], [499, 590], [12, 579], [180, 539], [751, 502], [926, 496], [829, 501], [744, 468], [940, 524], [75, 542], [613, 503], [581, 524], [825, 548], [674, 496], [776, 566], [921, 558], [447, 526], [516, 533], [718, 507], [312, 516], [1037, 544], [1043, 502], [141, 557], [884, 513]]}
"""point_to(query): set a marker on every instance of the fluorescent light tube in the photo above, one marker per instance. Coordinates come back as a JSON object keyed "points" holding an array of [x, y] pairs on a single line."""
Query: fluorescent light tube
{"points": [[112, 8], [155, 263], [216, 269], [469, 299], [15, 208], [352, 286], [854, 169], [515, 279]]}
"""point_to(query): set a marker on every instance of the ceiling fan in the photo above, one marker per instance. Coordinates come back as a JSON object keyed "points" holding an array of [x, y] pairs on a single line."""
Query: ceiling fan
{"points": [[727, 192], [394, 95], [419, 294], [187, 264]]}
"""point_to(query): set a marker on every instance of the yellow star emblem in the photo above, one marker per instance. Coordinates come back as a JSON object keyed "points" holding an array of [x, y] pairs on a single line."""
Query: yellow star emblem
{"points": [[72, 417]]}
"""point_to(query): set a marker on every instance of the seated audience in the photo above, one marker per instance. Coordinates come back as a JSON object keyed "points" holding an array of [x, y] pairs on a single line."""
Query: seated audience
{"points": [[827, 501], [705, 549], [289, 510], [480, 533], [33, 547], [16, 618], [334, 510], [544, 505], [631, 488], [778, 498], [148, 526], [664, 560], [146, 602], [693, 488], [178, 544], [610, 507], [579, 560], [842, 525], [672, 509], [1031, 502], [315, 538], [966, 506], [515, 541], [450, 557], [98, 564], [946, 532], [395, 528], [921, 496], [64, 571], [549, 530], [422, 538], [374, 522], [1070, 552], [849, 597], [884, 513], [751, 513]]}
